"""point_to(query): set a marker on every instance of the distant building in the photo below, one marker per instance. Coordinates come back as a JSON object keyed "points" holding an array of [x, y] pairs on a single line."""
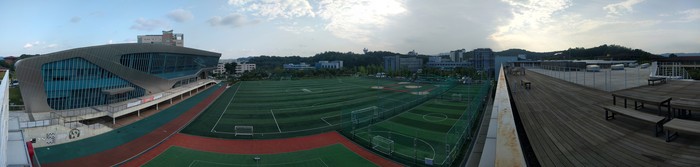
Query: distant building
{"points": [[329, 64], [413, 53], [300, 66], [457, 55], [483, 60], [241, 68], [220, 68], [10, 60], [395, 63], [448, 65], [504, 60], [167, 38]]}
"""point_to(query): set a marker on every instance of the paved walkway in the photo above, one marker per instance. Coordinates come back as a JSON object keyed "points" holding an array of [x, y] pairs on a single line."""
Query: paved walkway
{"points": [[566, 128]]}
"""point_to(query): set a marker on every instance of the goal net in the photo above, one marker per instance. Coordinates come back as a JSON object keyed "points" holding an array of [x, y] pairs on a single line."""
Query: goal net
{"points": [[383, 144], [243, 131], [364, 115]]}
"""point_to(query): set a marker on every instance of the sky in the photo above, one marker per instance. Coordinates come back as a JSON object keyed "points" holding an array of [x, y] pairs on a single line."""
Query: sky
{"points": [[241, 28]]}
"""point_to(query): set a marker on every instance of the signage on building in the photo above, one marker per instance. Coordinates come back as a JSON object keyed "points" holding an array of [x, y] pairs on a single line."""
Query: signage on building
{"points": [[133, 104], [147, 99], [158, 96]]}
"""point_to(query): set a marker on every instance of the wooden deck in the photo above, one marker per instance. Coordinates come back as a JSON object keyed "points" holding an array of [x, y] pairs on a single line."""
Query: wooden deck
{"points": [[566, 126]]}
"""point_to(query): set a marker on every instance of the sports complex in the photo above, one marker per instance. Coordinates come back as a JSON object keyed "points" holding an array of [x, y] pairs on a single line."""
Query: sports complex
{"points": [[343, 121]]}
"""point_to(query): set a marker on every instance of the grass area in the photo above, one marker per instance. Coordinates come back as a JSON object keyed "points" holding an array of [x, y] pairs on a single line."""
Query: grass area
{"points": [[428, 130], [333, 155], [15, 96], [299, 107], [116, 137]]}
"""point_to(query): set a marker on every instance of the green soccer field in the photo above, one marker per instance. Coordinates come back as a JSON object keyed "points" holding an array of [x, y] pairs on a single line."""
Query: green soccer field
{"points": [[332, 155], [276, 109], [428, 130]]}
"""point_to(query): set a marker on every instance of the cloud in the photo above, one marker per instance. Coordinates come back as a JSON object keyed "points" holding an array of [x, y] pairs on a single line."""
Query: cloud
{"points": [[75, 19], [272, 9], [234, 20], [148, 24], [39, 44], [530, 19], [689, 15], [180, 15], [297, 29], [620, 8], [358, 20]]}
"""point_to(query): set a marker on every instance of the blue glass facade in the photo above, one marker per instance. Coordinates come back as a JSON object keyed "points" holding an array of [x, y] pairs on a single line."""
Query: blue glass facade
{"points": [[168, 65], [75, 83]]}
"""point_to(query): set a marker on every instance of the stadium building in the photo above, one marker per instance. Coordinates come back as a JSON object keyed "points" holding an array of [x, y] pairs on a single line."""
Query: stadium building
{"points": [[109, 79]]}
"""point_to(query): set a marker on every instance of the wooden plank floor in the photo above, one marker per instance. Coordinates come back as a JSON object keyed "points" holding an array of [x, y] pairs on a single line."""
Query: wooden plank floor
{"points": [[567, 128]]}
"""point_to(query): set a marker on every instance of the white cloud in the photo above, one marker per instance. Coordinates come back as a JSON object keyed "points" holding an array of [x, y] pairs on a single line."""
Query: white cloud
{"points": [[148, 24], [39, 44], [620, 8], [234, 20], [297, 29], [358, 20], [75, 19], [180, 15], [531, 21], [689, 15], [272, 9]]}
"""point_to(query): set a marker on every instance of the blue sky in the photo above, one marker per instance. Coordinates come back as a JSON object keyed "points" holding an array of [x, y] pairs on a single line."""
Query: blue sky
{"points": [[238, 28]]}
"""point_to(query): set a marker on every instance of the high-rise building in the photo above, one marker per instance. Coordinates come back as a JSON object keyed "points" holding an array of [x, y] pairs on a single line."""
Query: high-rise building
{"points": [[241, 68], [395, 63], [457, 55], [483, 60], [167, 38]]}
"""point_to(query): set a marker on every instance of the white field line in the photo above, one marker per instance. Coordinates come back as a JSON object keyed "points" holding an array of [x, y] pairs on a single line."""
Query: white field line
{"points": [[204, 162], [273, 117], [229, 103]]}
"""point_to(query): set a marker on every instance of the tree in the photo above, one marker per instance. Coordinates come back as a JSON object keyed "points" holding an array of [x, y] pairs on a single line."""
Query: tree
{"points": [[230, 67], [672, 55]]}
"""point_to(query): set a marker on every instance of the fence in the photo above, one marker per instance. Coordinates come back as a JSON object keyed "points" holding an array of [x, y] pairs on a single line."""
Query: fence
{"points": [[444, 150], [603, 79]]}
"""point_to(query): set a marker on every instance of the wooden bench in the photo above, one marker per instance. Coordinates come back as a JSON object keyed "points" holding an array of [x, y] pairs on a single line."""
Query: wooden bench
{"points": [[525, 83], [653, 80], [684, 106], [657, 120], [680, 125]]}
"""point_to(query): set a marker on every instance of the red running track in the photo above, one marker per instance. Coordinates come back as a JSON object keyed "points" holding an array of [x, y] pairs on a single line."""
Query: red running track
{"points": [[123, 152], [272, 146]]}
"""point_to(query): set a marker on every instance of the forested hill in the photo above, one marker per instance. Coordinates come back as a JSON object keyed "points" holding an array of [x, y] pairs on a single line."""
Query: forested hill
{"points": [[606, 52], [350, 60]]}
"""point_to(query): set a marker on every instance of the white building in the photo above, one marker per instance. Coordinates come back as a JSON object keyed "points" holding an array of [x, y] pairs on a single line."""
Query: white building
{"points": [[329, 64], [457, 55], [241, 68], [167, 38], [220, 68]]}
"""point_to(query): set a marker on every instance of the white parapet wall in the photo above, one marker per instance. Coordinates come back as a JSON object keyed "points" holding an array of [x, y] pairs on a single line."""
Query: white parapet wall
{"points": [[13, 150], [502, 146]]}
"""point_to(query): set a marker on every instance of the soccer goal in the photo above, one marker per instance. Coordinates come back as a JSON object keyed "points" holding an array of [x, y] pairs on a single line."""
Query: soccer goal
{"points": [[456, 97], [243, 131], [383, 144], [364, 115]]}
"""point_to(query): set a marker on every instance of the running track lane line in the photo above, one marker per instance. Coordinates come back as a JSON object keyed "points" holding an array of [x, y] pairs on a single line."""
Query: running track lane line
{"points": [[125, 151], [271, 146]]}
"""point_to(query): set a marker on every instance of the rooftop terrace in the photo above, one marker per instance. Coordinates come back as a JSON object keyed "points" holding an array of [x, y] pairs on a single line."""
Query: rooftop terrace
{"points": [[566, 127]]}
